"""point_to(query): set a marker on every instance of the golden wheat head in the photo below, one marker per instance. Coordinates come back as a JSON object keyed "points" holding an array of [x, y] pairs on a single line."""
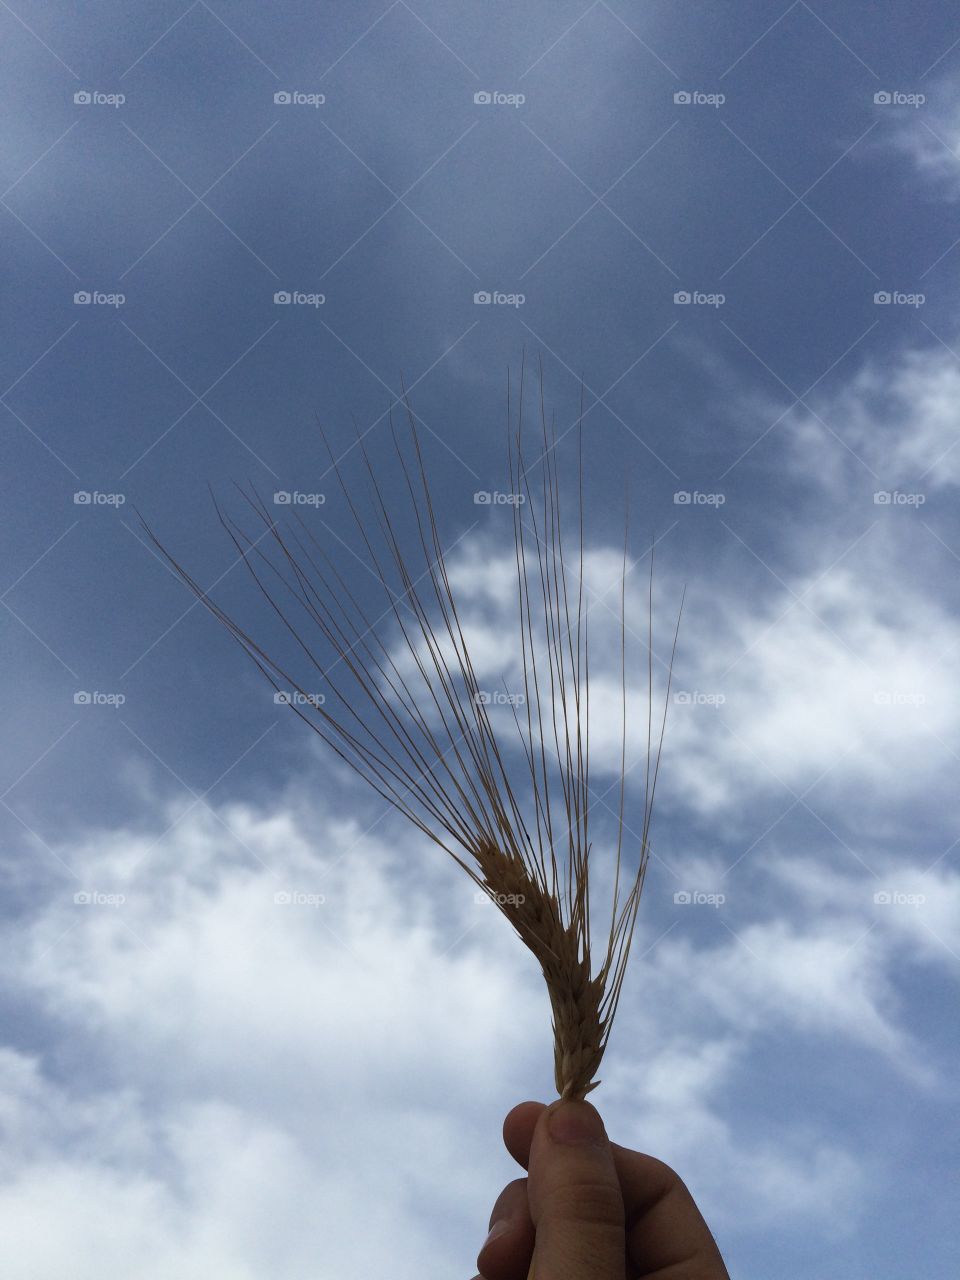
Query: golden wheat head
{"points": [[402, 706]]}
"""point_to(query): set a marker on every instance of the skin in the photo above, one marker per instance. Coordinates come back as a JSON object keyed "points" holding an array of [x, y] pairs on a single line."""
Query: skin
{"points": [[598, 1211]]}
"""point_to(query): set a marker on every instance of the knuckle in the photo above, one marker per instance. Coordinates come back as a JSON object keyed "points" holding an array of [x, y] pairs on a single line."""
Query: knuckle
{"points": [[596, 1203], [666, 1174], [652, 1182], [511, 1202]]}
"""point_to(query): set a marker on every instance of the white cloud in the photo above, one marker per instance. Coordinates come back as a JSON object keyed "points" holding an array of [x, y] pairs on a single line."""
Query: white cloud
{"points": [[846, 672], [899, 420], [834, 677], [669, 1108], [929, 136], [914, 909], [277, 1068], [284, 1062], [214, 1190], [825, 980], [201, 942]]}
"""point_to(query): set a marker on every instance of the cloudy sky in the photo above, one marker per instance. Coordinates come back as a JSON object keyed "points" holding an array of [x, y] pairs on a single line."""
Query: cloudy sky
{"points": [[253, 1024]]}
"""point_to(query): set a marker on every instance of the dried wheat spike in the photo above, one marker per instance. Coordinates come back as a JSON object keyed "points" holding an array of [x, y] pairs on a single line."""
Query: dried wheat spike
{"points": [[575, 997], [403, 707]]}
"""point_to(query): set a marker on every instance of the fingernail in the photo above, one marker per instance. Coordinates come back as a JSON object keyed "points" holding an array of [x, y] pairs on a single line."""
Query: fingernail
{"points": [[496, 1231], [577, 1124]]}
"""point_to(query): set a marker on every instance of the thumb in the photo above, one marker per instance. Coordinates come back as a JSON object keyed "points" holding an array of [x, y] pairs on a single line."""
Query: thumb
{"points": [[575, 1197]]}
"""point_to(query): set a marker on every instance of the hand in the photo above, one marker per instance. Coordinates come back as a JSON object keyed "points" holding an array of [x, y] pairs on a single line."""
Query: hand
{"points": [[597, 1211]]}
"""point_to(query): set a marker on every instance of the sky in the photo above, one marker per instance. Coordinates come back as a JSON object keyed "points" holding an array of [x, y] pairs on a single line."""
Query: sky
{"points": [[253, 1023]]}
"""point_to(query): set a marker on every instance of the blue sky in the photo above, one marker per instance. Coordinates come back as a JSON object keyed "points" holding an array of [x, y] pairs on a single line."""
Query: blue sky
{"points": [[197, 1080]]}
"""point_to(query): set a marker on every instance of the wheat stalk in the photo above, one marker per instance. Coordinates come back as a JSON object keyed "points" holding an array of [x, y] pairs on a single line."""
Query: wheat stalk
{"points": [[423, 736]]}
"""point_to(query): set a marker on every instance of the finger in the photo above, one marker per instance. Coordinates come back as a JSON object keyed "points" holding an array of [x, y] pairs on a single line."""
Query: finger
{"points": [[665, 1229], [507, 1250], [575, 1198], [664, 1226], [518, 1130]]}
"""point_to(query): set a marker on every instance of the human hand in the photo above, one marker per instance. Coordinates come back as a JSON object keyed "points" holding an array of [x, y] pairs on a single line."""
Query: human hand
{"points": [[596, 1210]]}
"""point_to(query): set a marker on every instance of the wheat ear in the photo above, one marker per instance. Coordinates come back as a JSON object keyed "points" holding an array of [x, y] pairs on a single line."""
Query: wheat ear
{"points": [[423, 737]]}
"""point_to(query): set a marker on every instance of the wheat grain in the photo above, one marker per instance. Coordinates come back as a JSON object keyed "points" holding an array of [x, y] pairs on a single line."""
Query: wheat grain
{"points": [[404, 709]]}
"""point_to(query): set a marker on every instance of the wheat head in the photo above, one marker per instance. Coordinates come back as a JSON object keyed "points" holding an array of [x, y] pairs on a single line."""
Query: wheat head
{"points": [[403, 706]]}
